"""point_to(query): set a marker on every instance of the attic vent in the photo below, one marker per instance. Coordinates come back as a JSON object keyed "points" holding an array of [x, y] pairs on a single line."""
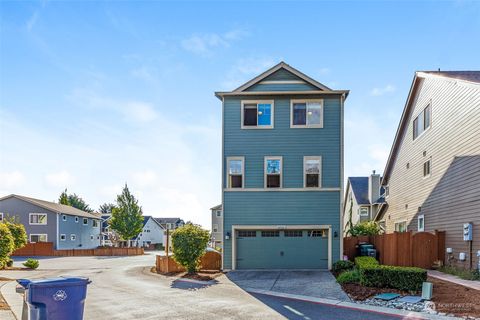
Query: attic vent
{"points": [[424, 153]]}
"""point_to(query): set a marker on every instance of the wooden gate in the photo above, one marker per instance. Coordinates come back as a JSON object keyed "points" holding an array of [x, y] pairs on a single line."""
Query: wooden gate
{"points": [[425, 250]]}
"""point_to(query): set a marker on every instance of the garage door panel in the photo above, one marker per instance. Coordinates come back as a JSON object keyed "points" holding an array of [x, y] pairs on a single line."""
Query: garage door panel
{"points": [[282, 252]]}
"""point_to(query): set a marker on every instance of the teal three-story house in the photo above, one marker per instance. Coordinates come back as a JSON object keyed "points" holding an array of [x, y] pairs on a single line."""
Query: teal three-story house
{"points": [[282, 171]]}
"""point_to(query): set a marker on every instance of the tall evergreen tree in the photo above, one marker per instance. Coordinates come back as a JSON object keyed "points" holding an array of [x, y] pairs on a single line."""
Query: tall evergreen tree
{"points": [[106, 208], [73, 200], [63, 198], [127, 218]]}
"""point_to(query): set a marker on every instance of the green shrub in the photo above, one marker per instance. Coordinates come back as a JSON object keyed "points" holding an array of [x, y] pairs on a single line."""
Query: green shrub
{"points": [[7, 244], [159, 246], [9, 262], [31, 263], [461, 273], [18, 233], [362, 262], [352, 276], [366, 228], [189, 244], [342, 265], [401, 278]]}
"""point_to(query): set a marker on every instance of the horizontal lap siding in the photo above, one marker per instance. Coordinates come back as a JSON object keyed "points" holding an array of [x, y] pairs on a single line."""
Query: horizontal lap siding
{"points": [[284, 141], [281, 208], [451, 195]]}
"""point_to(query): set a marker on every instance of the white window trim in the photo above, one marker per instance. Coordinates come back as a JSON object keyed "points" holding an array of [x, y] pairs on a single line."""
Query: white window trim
{"points": [[92, 237], [76, 219], [74, 236], [93, 223], [37, 224], [83, 221], [228, 174], [399, 222], [306, 125], [64, 217], [305, 158], [65, 237], [244, 102], [1, 216], [360, 212], [422, 217], [416, 117], [386, 194], [37, 234], [265, 171]]}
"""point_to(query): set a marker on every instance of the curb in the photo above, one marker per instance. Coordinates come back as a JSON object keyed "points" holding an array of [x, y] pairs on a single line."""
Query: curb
{"points": [[209, 282], [351, 305], [14, 301]]}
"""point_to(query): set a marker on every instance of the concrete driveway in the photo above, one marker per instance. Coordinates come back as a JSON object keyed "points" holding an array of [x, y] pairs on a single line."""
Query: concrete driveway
{"points": [[319, 284]]}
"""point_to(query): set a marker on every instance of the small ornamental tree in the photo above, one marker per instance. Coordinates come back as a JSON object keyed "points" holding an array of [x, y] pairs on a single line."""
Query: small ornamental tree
{"points": [[127, 217], [189, 244], [367, 228], [18, 233], [7, 244]]}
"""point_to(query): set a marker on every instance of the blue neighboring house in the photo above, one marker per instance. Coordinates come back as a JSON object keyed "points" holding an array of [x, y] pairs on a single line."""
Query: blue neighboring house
{"points": [[67, 227], [282, 169]]}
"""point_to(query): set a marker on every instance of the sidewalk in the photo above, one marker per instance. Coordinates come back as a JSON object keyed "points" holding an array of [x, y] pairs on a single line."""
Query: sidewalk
{"points": [[450, 278], [6, 314]]}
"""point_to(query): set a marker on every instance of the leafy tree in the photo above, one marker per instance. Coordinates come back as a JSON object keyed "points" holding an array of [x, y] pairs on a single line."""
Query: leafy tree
{"points": [[106, 208], [127, 217], [74, 200], [189, 244], [18, 232], [7, 244], [366, 228]]}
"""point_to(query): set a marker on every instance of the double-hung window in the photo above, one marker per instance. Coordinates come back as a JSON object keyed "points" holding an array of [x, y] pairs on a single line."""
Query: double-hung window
{"points": [[273, 172], [38, 218], [235, 170], [426, 168], [257, 114], [422, 121], [306, 113], [312, 167], [85, 221], [95, 223], [38, 238], [363, 211]]}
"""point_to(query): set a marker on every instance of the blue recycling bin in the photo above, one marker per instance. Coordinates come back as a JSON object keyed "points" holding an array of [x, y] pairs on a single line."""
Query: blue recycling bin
{"points": [[56, 298]]}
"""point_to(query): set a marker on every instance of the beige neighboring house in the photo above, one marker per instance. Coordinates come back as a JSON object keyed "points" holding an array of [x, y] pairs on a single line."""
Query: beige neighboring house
{"points": [[217, 226], [363, 197], [432, 177]]}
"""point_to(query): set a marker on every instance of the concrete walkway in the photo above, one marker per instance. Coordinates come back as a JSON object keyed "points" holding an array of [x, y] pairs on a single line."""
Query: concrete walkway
{"points": [[6, 314], [454, 279]]}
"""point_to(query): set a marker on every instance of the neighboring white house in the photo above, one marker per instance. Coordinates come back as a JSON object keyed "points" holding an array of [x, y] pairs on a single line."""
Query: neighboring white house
{"points": [[217, 226], [152, 233]]}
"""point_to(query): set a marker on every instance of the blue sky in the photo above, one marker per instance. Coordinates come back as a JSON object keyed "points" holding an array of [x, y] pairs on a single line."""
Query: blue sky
{"points": [[96, 94]]}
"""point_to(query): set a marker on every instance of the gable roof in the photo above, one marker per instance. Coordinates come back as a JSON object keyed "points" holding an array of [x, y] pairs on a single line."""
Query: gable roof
{"points": [[55, 207], [167, 220], [282, 65], [472, 77], [216, 207], [359, 187]]}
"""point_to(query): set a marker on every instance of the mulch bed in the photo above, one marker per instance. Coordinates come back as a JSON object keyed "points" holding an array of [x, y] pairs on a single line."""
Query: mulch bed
{"points": [[205, 275], [449, 298], [453, 298]]}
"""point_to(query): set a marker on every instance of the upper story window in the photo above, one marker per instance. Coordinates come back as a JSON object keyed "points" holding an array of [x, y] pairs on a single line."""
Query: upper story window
{"points": [[306, 114], [257, 114], [235, 169], [312, 166], [95, 223], [85, 221], [422, 121], [387, 191], [273, 172], [363, 211], [64, 217], [38, 218], [219, 213], [76, 219]]}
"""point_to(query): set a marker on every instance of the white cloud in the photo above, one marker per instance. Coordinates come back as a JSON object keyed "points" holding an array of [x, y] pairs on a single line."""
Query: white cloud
{"points": [[12, 179], [61, 179], [144, 178], [244, 69], [32, 21], [204, 44], [139, 111], [381, 91]]}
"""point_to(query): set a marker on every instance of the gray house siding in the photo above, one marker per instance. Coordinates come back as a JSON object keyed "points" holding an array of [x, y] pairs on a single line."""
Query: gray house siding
{"points": [[82, 233], [217, 236], [21, 210], [450, 196]]}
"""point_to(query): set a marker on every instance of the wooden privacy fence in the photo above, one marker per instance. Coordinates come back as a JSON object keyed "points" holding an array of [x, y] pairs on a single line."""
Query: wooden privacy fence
{"points": [[419, 249], [46, 249], [209, 261]]}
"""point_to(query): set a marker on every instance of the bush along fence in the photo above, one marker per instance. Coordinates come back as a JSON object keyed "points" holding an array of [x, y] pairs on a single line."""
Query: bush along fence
{"points": [[209, 261], [407, 249], [46, 249], [372, 274]]}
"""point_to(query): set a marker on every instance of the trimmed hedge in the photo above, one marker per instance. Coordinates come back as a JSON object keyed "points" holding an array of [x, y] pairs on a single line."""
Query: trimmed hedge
{"points": [[362, 262], [352, 276], [342, 265], [402, 278]]}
